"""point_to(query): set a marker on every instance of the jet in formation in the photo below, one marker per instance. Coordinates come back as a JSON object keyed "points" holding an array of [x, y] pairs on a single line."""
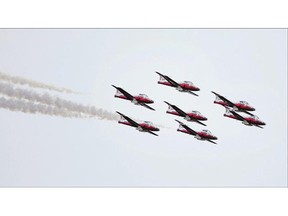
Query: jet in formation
{"points": [[249, 121], [241, 106], [194, 116], [140, 99], [145, 126], [185, 86], [201, 135]]}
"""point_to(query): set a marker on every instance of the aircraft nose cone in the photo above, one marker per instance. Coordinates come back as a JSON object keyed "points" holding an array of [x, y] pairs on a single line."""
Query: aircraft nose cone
{"points": [[157, 129], [252, 109], [263, 123]]}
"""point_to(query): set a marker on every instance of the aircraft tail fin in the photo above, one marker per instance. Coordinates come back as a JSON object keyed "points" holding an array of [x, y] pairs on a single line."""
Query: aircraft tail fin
{"points": [[122, 120], [228, 111], [217, 99], [161, 78], [170, 109], [119, 94], [182, 129]]}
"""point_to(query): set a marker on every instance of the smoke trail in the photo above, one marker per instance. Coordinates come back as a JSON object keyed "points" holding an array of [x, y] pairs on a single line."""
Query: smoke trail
{"points": [[30, 107], [32, 83], [61, 104]]}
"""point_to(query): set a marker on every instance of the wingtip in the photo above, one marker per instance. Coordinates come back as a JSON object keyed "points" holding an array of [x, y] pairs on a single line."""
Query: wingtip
{"points": [[119, 113], [178, 121]]}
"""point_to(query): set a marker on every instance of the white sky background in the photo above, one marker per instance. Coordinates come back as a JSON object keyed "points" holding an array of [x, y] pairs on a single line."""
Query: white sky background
{"points": [[251, 65]]}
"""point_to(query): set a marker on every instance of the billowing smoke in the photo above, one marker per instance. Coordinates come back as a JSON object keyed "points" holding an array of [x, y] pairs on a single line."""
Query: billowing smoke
{"points": [[30, 107], [33, 102], [32, 83]]}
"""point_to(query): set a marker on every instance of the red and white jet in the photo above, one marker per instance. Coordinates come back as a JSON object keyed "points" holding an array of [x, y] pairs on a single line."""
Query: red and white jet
{"points": [[193, 116], [146, 126], [185, 86], [241, 106], [140, 99], [201, 135], [249, 121]]}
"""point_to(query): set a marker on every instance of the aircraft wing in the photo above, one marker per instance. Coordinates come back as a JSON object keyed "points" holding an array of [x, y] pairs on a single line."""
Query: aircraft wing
{"points": [[152, 132], [238, 116], [248, 113], [199, 122], [193, 93], [187, 128], [132, 122], [129, 96], [243, 119], [145, 105], [181, 112], [211, 141], [224, 99], [172, 82]]}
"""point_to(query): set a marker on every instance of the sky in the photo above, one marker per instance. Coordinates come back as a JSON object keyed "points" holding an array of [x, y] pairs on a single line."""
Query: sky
{"points": [[52, 150]]}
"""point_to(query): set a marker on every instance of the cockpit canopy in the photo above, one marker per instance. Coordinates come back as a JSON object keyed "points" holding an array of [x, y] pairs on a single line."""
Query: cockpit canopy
{"points": [[188, 83], [195, 112], [244, 103], [143, 96], [207, 132], [255, 117], [149, 123]]}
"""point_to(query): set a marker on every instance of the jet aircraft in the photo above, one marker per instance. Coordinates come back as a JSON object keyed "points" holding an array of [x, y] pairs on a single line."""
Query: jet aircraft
{"points": [[201, 135], [186, 86], [241, 106], [194, 116], [146, 126], [140, 99], [249, 121]]}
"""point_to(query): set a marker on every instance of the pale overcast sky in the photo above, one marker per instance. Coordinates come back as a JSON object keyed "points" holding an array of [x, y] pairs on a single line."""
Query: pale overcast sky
{"points": [[251, 65]]}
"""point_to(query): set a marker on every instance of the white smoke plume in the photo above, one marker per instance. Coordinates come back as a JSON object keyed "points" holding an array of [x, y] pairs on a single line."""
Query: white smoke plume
{"points": [[34, 84], [34, 99], [30, 107]]}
